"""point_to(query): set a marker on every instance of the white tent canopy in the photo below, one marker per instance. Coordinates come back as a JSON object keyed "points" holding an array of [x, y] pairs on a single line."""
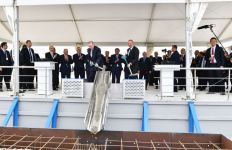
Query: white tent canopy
{"points": [[114, 24]]}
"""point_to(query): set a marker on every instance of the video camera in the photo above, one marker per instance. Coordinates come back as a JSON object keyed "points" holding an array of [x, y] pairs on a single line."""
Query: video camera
{"points": [[164, 50]]}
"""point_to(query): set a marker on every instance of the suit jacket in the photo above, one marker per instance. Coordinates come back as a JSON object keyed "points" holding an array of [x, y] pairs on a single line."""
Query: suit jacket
{"points": [[218, 55], [107, 64], [115, 66], [157, 60], [183, 61], [25, 57], [175, 57], [145, 65], [79, 61], [55, 58], [95, 55], [5, 58], [133, 57], [65, 66], [37, 57]]}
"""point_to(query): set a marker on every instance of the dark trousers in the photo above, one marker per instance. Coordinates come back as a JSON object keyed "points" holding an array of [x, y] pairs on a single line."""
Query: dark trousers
{"points": [[21, 79], [176, 74], [6, 75], [116, 74], [91, 75], [55, 78], [151, 81], [202, 79], [79, 73], [127, 74], [216, 79], [156, 78], [28, 78], [144, 75], [65, 74], [182, 79]]}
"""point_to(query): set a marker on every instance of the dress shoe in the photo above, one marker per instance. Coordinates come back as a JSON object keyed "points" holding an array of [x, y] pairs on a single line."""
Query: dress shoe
{"points": [[9, 89], [210, 92], [202, 89], [31, 89], [222, 93], [21, 91]]}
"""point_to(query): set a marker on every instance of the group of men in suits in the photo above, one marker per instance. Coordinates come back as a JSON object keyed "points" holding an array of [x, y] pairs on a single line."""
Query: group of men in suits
{"points": [[133, 66]]}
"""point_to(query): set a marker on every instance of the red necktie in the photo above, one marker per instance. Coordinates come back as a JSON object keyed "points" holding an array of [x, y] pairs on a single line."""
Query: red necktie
{"points": [[212, 53]]}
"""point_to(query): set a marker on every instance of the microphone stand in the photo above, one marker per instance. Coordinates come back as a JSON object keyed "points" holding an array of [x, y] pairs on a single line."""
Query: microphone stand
{"points": [[211, 29]]}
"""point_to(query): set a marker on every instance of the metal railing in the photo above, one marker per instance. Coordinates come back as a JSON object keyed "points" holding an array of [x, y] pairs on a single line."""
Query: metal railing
{"points": [[22, 81], [195, 78]]}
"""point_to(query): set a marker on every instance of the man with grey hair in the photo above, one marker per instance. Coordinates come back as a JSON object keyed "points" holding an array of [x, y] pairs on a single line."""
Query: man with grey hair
{"points": [[94, 61], [53, 56], [132, 58], [145, 68], [65, 64]]}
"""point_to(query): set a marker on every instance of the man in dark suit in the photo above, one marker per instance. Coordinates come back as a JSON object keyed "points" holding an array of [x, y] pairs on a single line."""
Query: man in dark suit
{"points": [[5, 60], [116, 65], [65, 64], [215, 58], [79, 60], [182, 73], [37, 58], [194, 63], [175, 58], [202, 74], [53, 56], [132, 58], [28, 59], [21, 71], [94, 61], [156, 74], [145, 68], [106, 61]]}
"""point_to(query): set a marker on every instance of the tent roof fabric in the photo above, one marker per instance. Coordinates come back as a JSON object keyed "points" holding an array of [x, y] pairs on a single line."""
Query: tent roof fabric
{"points": [[116, 23]]}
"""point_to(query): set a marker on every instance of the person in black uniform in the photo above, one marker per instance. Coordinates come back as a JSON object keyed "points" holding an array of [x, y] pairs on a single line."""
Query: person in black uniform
{"points": [[65, 64], [175, 58], [53, 56], [145, 68], [106, 61], [182, 73], [93, 61], [116, 65], [156, 74], [215, 58], [79, 60], [5, 60], [28, 59], [132, 58]]}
